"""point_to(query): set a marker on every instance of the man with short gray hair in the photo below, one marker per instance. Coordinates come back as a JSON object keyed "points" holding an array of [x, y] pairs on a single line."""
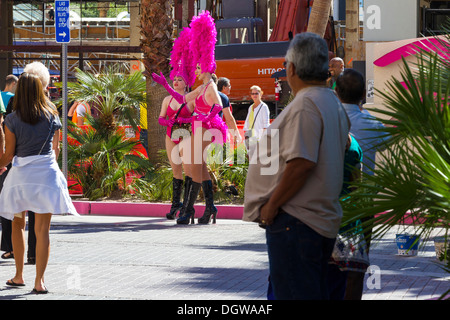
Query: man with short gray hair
{"points": [[299, 203]]}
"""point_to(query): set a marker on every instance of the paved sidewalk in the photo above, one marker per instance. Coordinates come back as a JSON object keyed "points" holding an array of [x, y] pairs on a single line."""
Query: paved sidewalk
{"points": [[109, 258]]}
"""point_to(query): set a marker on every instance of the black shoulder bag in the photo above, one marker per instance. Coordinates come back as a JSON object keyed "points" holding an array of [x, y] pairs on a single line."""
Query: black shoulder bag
{"points": [[186, 128]]}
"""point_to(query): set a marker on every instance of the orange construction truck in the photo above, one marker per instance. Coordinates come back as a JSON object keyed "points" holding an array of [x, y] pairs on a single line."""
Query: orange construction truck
{"points": [[251, 64]]}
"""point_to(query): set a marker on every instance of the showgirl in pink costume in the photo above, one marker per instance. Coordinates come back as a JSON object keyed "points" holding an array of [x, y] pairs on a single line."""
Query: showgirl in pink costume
{"points": [[207, 105], [182, 78]]}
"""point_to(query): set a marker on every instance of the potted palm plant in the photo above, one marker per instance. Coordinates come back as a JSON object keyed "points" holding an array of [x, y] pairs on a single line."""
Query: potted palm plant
{"points": [[115, 92], [102, 157]]}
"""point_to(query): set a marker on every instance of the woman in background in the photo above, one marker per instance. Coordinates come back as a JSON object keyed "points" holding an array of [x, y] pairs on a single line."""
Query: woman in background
{"points": [[258, 119]]}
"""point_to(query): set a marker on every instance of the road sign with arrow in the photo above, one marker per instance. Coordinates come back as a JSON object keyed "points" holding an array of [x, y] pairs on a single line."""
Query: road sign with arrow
{"points": [[62, 35], [62, 25]]}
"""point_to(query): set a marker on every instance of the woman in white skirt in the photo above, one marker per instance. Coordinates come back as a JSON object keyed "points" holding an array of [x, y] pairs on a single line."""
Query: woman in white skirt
{"points": [[35, 182]]}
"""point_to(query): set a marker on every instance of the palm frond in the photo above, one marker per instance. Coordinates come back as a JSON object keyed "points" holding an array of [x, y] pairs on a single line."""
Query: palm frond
{"points": [[114, 93]]}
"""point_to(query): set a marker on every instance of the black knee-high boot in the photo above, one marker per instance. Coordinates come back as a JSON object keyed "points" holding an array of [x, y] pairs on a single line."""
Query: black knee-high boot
{"points": [[210, 209], [188, 212], [187, 185], [177, 185]]}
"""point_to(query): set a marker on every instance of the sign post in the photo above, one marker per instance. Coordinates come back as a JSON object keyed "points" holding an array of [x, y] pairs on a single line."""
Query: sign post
{"points": [[62, 35]]}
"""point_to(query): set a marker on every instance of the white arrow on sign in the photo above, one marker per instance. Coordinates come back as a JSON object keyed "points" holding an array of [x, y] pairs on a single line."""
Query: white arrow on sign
{"points": [[63, 34]]}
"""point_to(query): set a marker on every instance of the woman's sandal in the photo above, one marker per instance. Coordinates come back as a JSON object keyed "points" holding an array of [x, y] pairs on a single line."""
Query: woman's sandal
{"points": [[8, 255], [39, 291], [11, 283]]}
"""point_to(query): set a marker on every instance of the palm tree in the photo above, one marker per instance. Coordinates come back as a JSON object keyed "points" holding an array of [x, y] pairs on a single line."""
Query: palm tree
{"points": [[156, 43], [412, 179], [100, 157], [318, 20], [115, 93]]}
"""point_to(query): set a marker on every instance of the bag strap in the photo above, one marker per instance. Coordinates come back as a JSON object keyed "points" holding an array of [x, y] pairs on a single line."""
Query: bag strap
{"points": [[179, 110], [49, 134], [254, 119]]}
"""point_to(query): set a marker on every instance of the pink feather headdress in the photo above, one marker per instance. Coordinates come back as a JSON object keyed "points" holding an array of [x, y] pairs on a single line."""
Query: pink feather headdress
{"points": [[181, 58], [203, 41]]}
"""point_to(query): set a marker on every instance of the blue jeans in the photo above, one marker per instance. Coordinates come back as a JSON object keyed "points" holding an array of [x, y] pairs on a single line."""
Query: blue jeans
{"points": [[298, 259]]}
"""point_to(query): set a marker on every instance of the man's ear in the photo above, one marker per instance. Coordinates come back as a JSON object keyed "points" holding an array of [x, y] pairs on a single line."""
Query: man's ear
{"points": [[291, 69]]}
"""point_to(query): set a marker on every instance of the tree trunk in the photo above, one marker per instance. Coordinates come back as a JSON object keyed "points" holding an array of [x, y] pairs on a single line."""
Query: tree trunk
{"points": [[103, 8], [185, 14], [351, 31], [262, 11], [156, 43], [155, 132], [210, 6], [318, 20]]}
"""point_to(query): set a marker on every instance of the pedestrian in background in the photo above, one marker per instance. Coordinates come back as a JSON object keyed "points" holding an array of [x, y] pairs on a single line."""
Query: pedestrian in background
{"points": [[78, 111], [349, 258], [32, 144], [6, 95], [350, 88], [2, 109], [10, 89], [258, 119], [335, 68], [298, 201], [224, 88]]}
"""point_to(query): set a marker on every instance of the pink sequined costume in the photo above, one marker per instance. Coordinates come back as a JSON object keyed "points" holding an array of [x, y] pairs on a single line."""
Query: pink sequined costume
{"points": [[171, 113], [208, 117]]}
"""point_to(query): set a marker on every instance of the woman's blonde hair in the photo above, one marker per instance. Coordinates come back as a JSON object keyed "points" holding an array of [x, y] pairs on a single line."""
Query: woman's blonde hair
{"points": [[255, 87]]}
